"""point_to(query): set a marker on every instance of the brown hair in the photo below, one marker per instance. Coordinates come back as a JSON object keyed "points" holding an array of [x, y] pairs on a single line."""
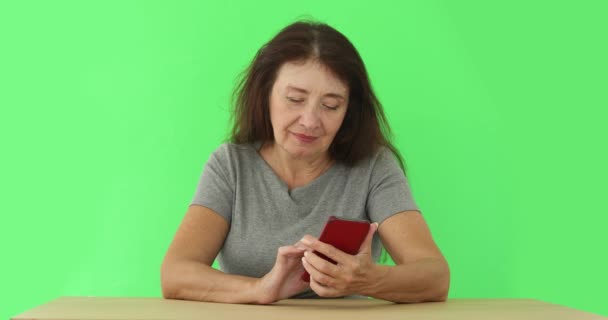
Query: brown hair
{"points": [[364, 128]]}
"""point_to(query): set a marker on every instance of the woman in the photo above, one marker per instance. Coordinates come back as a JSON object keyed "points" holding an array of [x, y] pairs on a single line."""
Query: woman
{"points": [[308, 141]]}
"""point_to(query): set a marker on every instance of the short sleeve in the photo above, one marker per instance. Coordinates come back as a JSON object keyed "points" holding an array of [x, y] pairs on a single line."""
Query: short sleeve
{"points": [[389, 190], [215, 188]]}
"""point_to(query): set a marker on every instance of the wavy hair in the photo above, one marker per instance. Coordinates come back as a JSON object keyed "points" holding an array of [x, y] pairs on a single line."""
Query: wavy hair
{"points": [[365, 127]]}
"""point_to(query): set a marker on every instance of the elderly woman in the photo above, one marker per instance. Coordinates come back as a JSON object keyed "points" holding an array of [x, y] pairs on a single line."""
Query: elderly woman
{"points": [[309, 140]]}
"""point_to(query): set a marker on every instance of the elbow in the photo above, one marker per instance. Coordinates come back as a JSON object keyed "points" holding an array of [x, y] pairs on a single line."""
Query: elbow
{"points": [[432, 294], [167, 291], [167, 285], [441, 287], [437, 284], [434, 286], [440, 295]]}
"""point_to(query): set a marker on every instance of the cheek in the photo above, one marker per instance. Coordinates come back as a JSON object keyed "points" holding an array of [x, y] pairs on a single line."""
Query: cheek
{"points": [[281, 119], [334, 124], [276, 111]]}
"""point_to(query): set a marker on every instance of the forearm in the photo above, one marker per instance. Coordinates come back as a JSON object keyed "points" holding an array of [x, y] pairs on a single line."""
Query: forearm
{"points": [[191, 280], [420, 281]]}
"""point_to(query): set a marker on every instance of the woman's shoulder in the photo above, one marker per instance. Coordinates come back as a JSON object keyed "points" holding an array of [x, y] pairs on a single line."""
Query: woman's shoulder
{"points": [[230, 147], [379, 156], [229, 153]]}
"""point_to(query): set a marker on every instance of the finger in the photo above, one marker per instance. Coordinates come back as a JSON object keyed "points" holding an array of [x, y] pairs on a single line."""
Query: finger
{"points": [[321, 264], [326, 249], [322, 290], [366, 246], [301, 245], [314, 273], [289, 252]]}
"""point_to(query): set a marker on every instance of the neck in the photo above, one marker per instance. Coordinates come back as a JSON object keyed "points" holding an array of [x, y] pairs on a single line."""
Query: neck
{"points": [[295, 171]]}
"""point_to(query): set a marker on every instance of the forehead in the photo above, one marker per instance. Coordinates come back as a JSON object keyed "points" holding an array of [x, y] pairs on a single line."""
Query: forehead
{"points": [[310, 75]]}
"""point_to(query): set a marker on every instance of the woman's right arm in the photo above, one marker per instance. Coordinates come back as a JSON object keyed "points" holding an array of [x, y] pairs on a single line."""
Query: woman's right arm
{"points": [[186, 271]]}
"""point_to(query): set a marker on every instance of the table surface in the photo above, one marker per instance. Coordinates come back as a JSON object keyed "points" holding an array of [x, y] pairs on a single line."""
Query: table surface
{"points": [[98, 308]]}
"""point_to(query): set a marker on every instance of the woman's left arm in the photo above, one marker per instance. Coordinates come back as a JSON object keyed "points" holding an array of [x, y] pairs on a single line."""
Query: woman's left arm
{"points": [[421, 272]]}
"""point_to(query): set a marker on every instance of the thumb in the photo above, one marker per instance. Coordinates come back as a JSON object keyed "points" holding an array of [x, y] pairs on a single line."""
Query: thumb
{"points": [[366, 246]]}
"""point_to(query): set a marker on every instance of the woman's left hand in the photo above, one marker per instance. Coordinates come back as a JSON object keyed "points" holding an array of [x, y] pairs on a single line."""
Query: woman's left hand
{"points": [[353, 274]]}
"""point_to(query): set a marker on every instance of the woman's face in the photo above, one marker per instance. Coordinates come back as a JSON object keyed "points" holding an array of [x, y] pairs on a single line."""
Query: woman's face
{"points": [[307, 107]]}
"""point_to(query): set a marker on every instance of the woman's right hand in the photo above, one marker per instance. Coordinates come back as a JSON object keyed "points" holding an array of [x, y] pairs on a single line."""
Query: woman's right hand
{"points": [[283, 281]]}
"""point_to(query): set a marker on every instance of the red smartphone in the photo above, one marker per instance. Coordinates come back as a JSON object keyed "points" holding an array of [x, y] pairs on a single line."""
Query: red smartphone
{"points": [[346, 235]]}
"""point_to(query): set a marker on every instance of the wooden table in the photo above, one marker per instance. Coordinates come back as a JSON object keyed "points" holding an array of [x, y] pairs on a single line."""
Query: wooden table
{"points": [[98, 308]]}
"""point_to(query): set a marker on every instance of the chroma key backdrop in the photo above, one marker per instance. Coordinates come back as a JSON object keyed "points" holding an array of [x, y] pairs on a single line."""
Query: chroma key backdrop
{"points": [[110, 109]]}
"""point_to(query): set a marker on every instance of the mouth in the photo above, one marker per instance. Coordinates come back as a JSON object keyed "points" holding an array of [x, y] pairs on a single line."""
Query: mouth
{"points": [[304, 138]]}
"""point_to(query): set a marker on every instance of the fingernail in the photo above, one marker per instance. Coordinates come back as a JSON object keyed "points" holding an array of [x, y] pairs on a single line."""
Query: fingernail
{"points": [[306, 241], [306, 254]]}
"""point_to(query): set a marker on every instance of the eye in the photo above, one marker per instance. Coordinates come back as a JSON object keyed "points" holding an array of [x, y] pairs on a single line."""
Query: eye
{"points": [[296, 100], [331, 107]]}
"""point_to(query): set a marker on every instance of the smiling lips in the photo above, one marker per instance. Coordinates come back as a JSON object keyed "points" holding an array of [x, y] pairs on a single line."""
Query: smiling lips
{"points": [[304, 138]]}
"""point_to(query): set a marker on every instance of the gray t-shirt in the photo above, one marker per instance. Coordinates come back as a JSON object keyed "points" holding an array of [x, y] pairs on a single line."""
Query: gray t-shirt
{"points": [[264, 215]]}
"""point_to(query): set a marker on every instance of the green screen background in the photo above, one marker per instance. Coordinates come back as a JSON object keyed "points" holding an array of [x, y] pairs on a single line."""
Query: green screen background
{"points": [[109, 110]]}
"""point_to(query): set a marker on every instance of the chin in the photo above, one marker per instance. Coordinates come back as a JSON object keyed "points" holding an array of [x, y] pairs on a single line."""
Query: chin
{"points": [[300, 152], [297, 150]]}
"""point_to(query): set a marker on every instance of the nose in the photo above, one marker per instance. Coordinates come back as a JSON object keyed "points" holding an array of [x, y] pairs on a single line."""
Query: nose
{"points": [[310, 118]]}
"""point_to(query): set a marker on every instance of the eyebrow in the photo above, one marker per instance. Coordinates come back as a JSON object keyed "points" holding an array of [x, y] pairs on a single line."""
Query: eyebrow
{"points": [[330, 94]]}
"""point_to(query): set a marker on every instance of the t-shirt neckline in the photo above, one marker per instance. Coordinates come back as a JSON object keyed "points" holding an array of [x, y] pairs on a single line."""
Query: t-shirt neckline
{"points": [[295, 191]]}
